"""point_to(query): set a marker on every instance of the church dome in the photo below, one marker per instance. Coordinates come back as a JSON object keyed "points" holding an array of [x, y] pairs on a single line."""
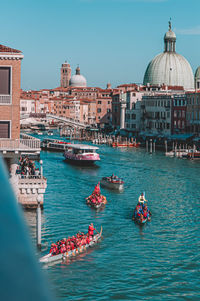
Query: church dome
{"points": [[78, 80], [169, 67]]}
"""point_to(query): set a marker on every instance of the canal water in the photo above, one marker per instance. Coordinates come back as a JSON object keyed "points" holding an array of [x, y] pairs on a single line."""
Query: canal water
{"points": [[159, 261]]}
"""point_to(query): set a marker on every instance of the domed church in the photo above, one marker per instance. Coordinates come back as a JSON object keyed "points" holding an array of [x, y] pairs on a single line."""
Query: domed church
{"points": [[169, 67], [78, 80]]}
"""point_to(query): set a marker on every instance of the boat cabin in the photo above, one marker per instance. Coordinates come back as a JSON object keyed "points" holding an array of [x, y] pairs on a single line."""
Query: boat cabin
{"points": [[81, 149]]}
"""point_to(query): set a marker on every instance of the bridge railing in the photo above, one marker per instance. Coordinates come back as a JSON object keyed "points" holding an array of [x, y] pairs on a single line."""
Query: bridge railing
{"points": [[68, 120]]}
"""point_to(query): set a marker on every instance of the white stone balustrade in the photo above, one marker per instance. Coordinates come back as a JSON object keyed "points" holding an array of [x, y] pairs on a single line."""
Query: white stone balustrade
{"points": [[27, 144]]}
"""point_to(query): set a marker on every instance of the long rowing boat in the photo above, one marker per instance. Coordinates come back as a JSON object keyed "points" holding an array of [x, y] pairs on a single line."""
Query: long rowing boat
{"points": [[62, 256]]}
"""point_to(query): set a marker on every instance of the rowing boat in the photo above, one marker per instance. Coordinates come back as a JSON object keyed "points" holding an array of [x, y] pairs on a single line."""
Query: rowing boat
{"points": [[62, 256]]}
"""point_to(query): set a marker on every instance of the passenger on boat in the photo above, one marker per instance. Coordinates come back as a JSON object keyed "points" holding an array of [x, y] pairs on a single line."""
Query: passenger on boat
{"points": [[91, 230], [141, 198], [97, 189]]}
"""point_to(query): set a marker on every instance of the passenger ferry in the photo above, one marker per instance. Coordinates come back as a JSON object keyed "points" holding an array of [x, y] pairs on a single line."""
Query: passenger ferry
{"points": [[81, 154], [54, 145]]}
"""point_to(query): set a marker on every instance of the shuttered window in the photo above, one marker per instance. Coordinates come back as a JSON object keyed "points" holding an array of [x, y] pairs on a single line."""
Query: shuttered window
{"points": [[5, 80], [4, 129]]}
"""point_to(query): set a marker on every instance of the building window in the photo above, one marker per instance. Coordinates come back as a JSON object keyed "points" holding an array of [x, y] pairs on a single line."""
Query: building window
{"points": [[108, 102], [98, 110], [5, 85], [99, 102], [4, 129]]}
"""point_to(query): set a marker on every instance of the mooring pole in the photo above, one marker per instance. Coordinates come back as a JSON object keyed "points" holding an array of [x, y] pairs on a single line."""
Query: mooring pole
{"points": [[150, 146], [166, 146]]}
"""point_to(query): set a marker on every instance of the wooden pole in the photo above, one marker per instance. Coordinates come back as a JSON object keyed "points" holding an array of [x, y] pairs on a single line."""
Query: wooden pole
{"points": [[150, 146]]}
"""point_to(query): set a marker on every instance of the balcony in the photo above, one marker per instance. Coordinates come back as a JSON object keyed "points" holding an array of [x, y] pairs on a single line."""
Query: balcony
{"points": [[5, 99], [24, 144], [29, 189]]}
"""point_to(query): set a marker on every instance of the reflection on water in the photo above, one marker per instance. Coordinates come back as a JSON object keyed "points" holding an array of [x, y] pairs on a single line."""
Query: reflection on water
{"points": [[159, 261]]}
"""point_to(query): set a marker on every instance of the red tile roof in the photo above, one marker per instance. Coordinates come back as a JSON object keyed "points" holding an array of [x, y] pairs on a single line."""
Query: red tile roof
{"points": [[8, 49]]}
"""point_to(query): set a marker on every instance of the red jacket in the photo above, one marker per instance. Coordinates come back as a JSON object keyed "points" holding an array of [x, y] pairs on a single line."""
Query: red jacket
{"points": [[91, 230]]}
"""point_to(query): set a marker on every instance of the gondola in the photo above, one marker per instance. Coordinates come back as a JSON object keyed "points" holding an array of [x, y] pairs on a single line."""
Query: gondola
{"points": [[62, 256]]}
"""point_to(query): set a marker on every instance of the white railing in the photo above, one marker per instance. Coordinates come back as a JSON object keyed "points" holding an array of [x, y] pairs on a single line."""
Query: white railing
{"points": [[19, 144], [5, 99]]}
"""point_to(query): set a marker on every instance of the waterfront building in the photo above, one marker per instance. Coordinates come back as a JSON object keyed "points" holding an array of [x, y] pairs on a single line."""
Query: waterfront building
{"points": [[104, 107], [178, 113], [117, 104], [12, 144], [65, 75], [156, 114], [133, 110], [158, 110], [169, 67], [193, 112]]}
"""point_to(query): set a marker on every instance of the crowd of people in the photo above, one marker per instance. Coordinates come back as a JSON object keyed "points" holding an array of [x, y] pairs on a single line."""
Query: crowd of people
{"points": [[74, 242], [96, 198], [141, 211], [27, 167]]}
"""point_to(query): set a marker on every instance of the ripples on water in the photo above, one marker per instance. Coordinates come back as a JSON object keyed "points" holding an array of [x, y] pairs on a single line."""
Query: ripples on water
{"points": [[157, 262]]}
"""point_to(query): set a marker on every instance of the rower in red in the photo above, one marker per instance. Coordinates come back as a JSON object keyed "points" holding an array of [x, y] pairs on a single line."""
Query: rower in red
{"points": [[91, 230]]}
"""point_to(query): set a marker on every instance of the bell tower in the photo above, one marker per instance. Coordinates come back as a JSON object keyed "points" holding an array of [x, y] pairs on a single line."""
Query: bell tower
{"points": [[65, 75]]}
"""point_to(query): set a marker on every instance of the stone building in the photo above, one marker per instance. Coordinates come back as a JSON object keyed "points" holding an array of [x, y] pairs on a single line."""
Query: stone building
{"points": [[12, 144], [193, 112], [179, 108]]}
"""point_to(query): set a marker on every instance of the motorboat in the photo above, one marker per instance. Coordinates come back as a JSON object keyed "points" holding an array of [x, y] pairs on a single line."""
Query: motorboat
{"points": [[112, 182], [54, 145], [50, 133], [82, 154]]}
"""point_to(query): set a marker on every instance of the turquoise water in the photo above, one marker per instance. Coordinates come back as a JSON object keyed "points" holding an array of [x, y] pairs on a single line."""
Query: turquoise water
{"points": [[160, 261]]}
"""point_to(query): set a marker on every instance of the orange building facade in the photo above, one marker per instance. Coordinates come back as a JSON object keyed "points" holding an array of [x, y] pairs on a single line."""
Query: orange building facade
{"points": [[10, 76]]}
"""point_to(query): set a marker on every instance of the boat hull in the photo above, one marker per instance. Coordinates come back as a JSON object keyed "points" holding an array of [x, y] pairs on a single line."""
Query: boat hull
{"points": [[70, 254], [139, 222], [81, 159], [111, 185], [99, 206]]}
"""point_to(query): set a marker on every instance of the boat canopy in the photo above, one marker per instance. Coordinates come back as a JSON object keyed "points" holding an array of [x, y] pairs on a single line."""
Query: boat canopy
{"points": [[82, 146]]}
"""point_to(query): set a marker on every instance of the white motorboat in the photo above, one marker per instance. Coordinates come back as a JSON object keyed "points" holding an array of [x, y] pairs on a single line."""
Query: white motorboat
{"points": [[112, 182], [81, 154]]}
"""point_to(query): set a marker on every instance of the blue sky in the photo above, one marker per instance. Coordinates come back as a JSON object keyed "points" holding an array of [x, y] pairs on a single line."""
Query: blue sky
{"points": [[111, 40]]}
